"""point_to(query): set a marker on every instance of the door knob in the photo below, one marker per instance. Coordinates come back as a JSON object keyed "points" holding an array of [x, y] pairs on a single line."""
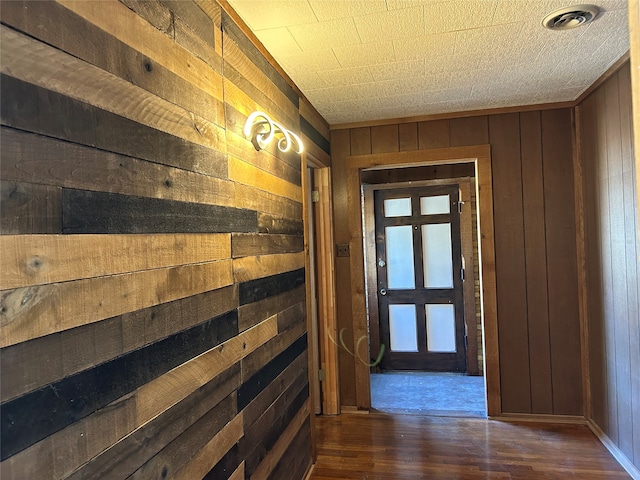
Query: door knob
{"points": [[383, 292]]}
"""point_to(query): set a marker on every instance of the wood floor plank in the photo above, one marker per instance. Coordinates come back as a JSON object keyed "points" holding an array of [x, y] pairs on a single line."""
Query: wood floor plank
{"points": [[407, 447]]}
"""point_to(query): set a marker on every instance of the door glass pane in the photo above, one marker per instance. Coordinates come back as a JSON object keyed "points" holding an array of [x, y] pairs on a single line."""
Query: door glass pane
{"points": [[434, 205], [397, 207], [399, 244], [402, 328], [436, 255], [441, 330]]}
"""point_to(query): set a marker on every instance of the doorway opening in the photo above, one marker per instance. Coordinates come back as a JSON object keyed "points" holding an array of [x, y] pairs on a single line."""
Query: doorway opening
{"points": [[397, 168], [423, 290]]}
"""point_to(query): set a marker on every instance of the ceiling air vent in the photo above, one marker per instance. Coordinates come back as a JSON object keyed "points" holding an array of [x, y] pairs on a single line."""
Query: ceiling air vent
{"points": [[570, 17]]}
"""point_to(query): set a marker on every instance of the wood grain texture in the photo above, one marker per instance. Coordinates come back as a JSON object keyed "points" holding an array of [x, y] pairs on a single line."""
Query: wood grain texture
{"points": [[267, 203], [27, 208], [247, 174], [34, 311], [45, 23], [407, 136], [308, 111], [245, 244], [36, 63], [40, 259], [39, 110], [36, 158], [246, 269], [469, 131], [533, 200], [510, 262], [251, 313], [314, 136], [359, 446], [433, 134]]}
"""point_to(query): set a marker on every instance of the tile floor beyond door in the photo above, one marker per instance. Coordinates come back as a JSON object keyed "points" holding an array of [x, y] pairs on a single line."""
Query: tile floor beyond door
{"points": [[428, 393]]}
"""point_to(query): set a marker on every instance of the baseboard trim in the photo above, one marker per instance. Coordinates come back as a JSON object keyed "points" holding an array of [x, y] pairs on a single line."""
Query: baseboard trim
{"points": [[352, 409], [622, 459], [540, 418]]}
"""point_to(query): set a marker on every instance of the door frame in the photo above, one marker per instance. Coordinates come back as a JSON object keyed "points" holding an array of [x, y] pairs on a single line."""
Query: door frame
{"points": [[468, 251], [480, 156]]}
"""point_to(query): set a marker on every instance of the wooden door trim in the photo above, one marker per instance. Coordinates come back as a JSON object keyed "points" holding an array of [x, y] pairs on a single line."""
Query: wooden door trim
{"points": [[480, 156]]}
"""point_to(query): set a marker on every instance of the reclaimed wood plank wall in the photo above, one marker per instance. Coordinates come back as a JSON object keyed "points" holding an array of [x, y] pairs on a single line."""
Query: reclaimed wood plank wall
{"points": [[613, 291], [152, 297], [536, 265]]}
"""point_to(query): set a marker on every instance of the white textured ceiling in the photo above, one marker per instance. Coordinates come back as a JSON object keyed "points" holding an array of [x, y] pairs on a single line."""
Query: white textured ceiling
{"points": [[364, 60]]}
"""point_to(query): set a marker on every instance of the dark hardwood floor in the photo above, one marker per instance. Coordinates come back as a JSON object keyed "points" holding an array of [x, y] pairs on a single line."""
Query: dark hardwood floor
{"points": [[407, 447]]}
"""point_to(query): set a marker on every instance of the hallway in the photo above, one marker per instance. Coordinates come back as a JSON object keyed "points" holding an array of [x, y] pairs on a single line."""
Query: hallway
{"points": [[388, 447]]}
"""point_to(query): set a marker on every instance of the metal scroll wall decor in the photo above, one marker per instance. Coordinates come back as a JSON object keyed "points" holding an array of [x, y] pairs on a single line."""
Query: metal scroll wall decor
{"points": [[261, 130]]}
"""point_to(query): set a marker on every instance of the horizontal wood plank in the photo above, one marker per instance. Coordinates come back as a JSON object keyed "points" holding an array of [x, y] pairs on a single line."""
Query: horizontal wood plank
{"points": [[252, 313], [38, 159], [39, 259], [31, 312], [99, 212], [264, 202], [39, 64], [247, 174], [245, 244], [258, 287], [279, 225], [131, 29], [26, 208], [38, 110], [309, 112]]}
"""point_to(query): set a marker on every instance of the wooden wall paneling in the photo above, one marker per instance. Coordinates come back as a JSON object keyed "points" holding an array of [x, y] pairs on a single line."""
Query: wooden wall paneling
{"points": [[595, 325], [48, 22], [384, 139], [533, 199], [50, 358], [213, 454], [360, 141], [98, 212], [296, 459], [31, 312], [279, 225], [36, 158], [631, 236], [469, 131], [321, 158], [30, 61], [254, 312], [314, 136], [340, 150], [313, 117], [82, 125], [327, 292], [247, 174], [275, 206], [259, 267], [172, 458], [619, 260], [131, 29], [564, 315], [41, 259], [128, 413], [246, 244], [434, 134], [504, 133], [27, 208], [604, 230], [407, 136], [131, 452]]}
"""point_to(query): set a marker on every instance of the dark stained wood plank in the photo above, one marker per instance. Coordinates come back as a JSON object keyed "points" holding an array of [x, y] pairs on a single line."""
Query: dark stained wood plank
{"points": [[34, 416], [28, 208], [259, 381], [510, 263], [296, 457], [261, 288], [384, 139], [31, 108], [469, 131], [433, 134], [130, 453], [192, 15], [564, 317], [49, 21], [245, 244], [38, 362], [253, 313], [408, 136], [226, 466], [353, 447], [99, 212], [38, 159], [177, 453], [536, 262], [317, 138]]}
